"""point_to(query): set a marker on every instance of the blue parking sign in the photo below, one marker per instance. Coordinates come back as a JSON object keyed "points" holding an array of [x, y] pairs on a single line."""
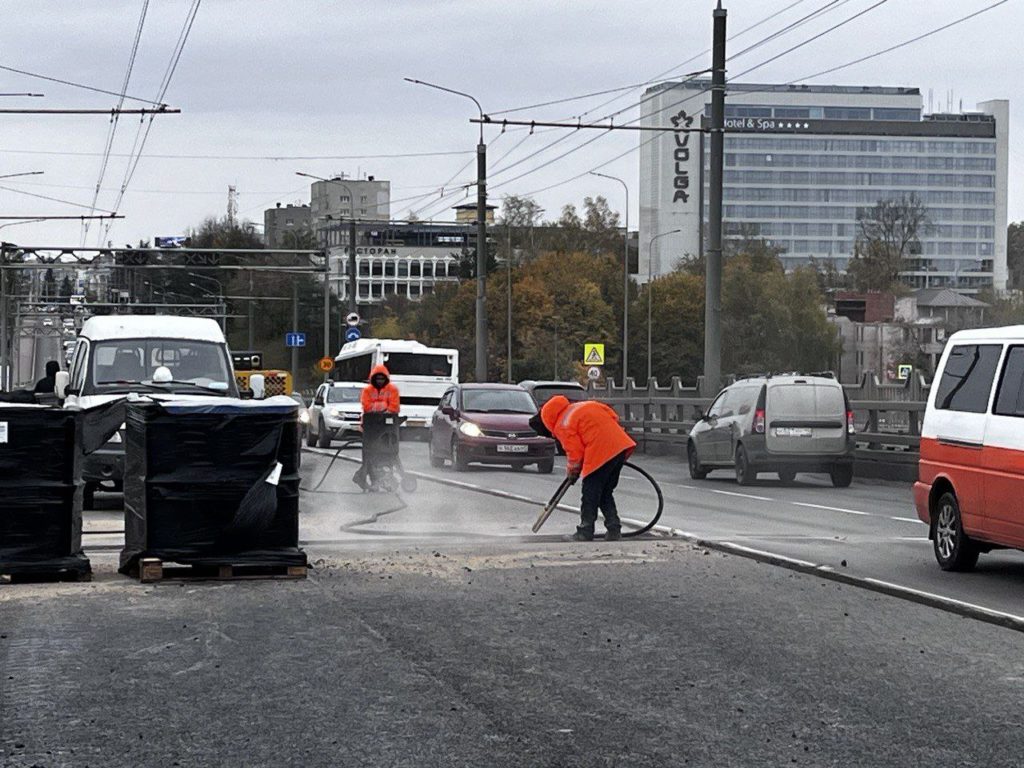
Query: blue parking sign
{"points": [[295, 339]]}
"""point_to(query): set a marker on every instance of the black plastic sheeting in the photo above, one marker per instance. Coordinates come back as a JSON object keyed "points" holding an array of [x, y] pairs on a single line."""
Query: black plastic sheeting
{"points": [[188, 468], [40, 522]]}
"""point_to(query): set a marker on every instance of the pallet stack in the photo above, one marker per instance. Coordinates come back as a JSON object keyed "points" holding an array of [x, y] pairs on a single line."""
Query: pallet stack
{"points": [[211, 489], [40, 521]]}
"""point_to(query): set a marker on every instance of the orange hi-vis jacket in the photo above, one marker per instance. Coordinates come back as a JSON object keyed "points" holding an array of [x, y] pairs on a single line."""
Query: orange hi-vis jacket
{"points": [[589, 432], [383, 400]]}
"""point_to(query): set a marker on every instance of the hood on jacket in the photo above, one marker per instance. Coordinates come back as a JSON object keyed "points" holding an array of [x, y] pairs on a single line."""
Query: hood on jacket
{"points": [[553, 410], [380, 370]]}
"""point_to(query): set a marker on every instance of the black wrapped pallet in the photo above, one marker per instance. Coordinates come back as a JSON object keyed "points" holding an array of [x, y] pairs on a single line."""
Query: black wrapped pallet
{"points": [[199, 483], [40, 523]]}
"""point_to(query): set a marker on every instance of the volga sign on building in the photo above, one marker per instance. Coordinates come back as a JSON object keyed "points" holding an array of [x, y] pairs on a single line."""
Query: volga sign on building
{"points": [[802, 163]]}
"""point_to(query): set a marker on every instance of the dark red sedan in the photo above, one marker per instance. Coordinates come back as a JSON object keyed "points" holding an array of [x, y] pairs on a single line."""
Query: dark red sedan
{"points": [[488, 424]]}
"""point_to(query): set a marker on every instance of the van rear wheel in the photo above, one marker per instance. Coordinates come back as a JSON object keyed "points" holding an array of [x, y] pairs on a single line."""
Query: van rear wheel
{"points": [[787, 476], [954, 549], [842, 476], [744, 474]]}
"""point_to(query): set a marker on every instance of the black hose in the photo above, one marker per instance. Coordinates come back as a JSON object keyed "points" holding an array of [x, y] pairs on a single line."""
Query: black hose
{"points": [[342, 447], [661, 502]]}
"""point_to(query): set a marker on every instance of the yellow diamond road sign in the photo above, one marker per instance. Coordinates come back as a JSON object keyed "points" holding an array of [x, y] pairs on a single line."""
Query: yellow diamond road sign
{"points": [[593, 354]]}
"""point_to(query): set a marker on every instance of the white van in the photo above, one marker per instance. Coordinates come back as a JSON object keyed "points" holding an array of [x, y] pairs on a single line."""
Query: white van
{"points": [[970, 487], [119, 354]]}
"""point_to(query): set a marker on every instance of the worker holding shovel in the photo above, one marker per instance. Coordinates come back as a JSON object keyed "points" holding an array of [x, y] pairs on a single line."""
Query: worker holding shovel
{"points": [[596, 447]]}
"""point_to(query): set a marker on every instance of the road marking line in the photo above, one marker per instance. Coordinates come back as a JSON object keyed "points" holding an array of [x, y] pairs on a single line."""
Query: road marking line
{"points": [[908, 519], [741, 495], [831, 509]]}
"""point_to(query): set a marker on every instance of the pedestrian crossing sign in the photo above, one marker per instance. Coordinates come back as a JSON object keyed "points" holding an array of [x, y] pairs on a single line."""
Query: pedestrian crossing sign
{"points": [[593, 354]]}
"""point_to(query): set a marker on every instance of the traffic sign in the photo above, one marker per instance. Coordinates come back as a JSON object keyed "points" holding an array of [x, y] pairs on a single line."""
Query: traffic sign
{"points": [[593, 354], [352, 318], [325, 364], [295, 339], [593, 373], [903, 372], [353, 334]]}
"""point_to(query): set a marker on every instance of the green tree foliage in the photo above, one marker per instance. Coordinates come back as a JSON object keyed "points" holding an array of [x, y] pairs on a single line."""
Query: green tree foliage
{"points": [[1015, 253]]}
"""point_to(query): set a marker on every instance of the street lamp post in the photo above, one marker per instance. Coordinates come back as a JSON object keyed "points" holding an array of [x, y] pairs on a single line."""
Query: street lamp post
{"points": [[650, 296], [220, 289], [625, 280], [481, 234]]}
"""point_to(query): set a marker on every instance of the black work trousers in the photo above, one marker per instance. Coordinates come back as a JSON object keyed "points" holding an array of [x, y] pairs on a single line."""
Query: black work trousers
{"points": [[599, 493]]}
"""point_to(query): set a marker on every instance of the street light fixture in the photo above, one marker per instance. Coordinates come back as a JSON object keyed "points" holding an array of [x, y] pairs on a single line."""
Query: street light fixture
{"points": [[352, 277], [625, 279], [650, 296], [481, 232]]}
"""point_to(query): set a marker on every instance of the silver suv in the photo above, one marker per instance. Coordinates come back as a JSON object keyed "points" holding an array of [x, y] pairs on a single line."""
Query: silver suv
{"points": [[785, 423]]}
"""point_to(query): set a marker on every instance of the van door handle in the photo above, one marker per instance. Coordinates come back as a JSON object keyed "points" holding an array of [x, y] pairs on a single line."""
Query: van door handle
{"points": [[959, 443]]}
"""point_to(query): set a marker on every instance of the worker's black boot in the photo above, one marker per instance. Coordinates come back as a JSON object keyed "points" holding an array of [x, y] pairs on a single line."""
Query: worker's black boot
{"points": [[583, 534], [613, 534]]}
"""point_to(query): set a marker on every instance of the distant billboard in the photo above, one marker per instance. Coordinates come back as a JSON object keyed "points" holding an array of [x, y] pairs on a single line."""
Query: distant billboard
{"points": [[178, 241]]}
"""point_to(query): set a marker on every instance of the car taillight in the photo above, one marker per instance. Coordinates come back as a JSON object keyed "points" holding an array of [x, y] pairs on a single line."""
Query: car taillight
{"points": [[850, 427], [759, 421]]}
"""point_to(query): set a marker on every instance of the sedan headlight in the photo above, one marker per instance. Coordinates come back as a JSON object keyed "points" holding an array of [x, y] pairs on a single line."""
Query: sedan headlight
{"points": [[304, 417], [470, 429]]}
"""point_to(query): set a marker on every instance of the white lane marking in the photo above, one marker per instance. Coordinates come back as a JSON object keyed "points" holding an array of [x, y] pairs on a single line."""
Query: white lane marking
{"points": [[952, 601], [831, 509], [908, 520], [912, 538], [741, 495]]}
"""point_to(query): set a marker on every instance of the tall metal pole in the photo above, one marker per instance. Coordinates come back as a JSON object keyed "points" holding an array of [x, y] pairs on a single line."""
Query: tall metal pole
{"points": [[327, 304], [251, 330], [295, 326], [625, 279], [353, 284], [481, 259], [713, 279], [4, 361], [508, 285]]}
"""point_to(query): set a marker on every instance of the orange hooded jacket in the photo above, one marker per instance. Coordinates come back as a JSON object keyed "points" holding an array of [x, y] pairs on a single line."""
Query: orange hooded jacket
{"points": [[589, 432], [383, 400]]}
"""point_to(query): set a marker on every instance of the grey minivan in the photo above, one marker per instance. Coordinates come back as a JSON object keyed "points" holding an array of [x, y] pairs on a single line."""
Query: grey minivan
{"points": [[785, 423]]}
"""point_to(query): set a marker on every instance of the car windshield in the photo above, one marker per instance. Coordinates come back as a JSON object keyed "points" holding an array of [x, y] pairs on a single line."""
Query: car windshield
{"points": [[498, 401], [134, 361], [572, 394], [343, 394], [414, 364]]}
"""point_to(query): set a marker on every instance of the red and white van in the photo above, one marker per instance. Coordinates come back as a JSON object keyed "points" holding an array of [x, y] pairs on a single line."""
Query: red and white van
{"points": [[970, 487]]}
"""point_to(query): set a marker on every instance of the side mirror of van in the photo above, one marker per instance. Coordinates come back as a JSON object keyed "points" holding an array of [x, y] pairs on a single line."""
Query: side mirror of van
{"points": [[257, 383], [60, 384]]}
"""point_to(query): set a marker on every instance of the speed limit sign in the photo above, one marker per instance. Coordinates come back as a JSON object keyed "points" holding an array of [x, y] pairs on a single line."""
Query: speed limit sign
{"points": [[325, 364]]}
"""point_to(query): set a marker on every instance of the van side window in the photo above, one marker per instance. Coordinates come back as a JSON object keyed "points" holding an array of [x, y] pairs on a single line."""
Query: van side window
{"points": [[1010, 397], [967, 378]]}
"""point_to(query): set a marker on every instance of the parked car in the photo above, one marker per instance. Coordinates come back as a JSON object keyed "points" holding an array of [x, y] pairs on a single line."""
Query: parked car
{"points": [[542, 391], [488, 424], [970, 487], [785, 424], [335, 412]]}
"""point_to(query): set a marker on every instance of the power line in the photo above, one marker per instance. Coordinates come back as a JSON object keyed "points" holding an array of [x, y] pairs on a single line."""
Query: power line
{"points": [[45, 197], [112, 131], [274, 158], [76, 85]]}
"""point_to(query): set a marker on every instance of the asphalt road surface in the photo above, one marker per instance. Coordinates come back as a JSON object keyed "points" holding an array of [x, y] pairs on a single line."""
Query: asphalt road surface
{"points": [[437, 630]]}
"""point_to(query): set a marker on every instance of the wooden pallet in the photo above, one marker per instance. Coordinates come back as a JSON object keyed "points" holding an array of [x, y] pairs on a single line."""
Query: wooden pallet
{"points": [[153, 569]]}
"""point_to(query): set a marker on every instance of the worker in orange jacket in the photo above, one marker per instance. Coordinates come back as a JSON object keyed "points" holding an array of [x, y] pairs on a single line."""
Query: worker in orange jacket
{"points": [[595, 447], [380, 395]]}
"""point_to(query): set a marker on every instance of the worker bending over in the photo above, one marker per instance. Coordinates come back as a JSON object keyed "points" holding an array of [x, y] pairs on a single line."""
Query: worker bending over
{"points": [[595, 447]]}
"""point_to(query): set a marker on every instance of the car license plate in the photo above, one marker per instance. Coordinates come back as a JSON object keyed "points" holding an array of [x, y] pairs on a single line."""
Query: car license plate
{"points": [[793, 432], [513, 448]]}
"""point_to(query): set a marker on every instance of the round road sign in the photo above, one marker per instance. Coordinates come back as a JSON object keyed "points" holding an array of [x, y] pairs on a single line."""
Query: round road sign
{"points": [[593, 373], [352, 318], [325, 364]]}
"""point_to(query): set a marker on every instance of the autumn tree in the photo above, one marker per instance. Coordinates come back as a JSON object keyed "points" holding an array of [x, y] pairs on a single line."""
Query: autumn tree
{"points": [[888, 235]]}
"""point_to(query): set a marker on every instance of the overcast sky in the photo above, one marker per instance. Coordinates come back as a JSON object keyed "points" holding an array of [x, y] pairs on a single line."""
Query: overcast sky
{"points": [[323, 79]]}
